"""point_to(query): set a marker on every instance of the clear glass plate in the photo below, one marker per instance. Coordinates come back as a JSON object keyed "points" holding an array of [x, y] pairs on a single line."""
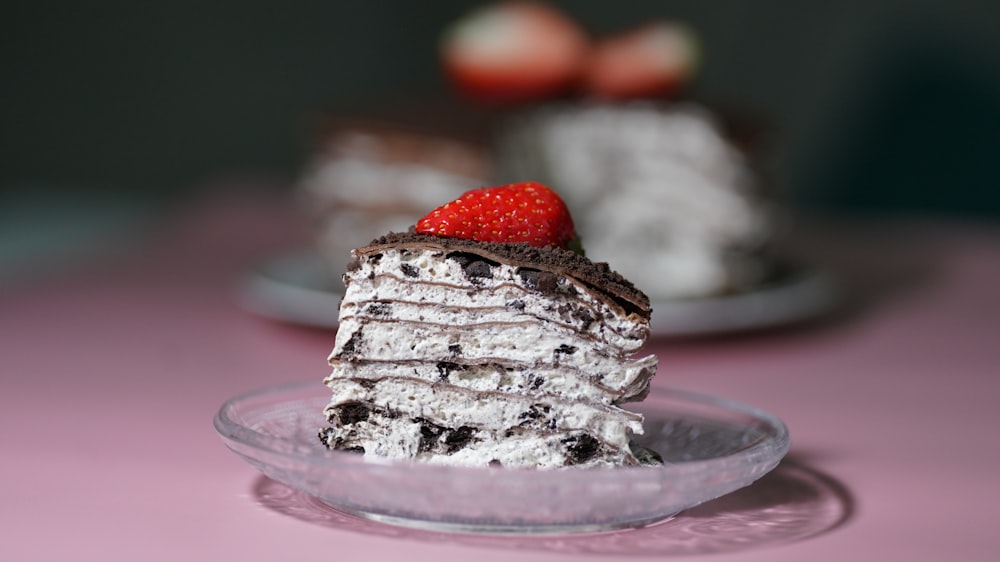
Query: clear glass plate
{"points": [[711, 447]]}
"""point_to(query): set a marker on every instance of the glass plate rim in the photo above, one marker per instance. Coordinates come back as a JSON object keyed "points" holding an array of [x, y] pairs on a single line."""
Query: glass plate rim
{"points": [[230, 429]]}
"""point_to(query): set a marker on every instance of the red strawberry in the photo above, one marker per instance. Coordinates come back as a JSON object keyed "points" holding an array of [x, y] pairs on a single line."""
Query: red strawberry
{"points": [[526, 212], [514, 51], [654, 59]]}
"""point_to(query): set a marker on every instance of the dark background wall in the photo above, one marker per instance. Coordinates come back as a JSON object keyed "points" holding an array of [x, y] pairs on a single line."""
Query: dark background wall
{"points": [[881, 105]]}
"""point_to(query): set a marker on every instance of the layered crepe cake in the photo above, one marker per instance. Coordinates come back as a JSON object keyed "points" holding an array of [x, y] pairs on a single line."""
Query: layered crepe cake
{"points": [[482, 353]]}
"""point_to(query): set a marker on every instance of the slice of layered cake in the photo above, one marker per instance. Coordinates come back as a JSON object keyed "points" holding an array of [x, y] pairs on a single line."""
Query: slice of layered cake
{"points": [[479, 339]]}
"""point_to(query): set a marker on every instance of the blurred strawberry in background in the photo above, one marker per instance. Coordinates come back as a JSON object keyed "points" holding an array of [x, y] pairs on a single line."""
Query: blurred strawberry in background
{"points": [[655, 59], [517, 52], [513, 52]]}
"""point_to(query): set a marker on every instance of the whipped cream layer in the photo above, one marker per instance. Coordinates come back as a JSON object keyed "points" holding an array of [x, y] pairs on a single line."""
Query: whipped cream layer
{"points": [[628, 384], [449, 406], [497, 356]]}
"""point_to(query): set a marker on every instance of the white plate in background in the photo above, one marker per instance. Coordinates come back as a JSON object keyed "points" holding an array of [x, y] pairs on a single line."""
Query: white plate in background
{"points": [[300, 288]]}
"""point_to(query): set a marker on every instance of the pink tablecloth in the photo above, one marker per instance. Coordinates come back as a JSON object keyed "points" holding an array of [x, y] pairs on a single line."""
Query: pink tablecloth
{"points": [[112, 373]]}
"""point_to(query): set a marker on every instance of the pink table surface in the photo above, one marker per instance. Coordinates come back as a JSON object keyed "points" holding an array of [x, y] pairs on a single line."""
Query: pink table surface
{"points": [[112, 373]]}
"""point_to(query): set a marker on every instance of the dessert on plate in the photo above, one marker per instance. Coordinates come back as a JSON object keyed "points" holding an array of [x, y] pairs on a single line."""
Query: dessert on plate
{"points": [[478, 338]]}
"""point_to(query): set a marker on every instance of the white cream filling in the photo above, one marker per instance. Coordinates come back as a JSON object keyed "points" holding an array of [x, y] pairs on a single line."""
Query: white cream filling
{"points": [[622, 385], [454, 407], [421, 339], [524, 342], [442, 281], [450, 304], [400, 438]]}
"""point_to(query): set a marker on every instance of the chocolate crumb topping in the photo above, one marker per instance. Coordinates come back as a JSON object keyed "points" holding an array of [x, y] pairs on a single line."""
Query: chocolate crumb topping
{"points": [[539, 267], [429, 434], [541, 281], [351, 346], [324, 436], [381, 309], [458, 438], [566, 349], [352, 413], [475, 267], [581, 448], [445, 368]]}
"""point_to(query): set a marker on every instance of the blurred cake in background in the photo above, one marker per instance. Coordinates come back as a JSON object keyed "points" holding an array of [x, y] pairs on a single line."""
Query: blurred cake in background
{"points": [[655, 183], [658, 189], [364, 179]]}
